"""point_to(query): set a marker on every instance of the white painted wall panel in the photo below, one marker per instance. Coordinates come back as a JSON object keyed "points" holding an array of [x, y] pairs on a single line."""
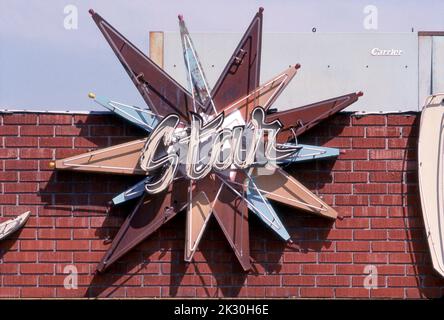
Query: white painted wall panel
{"points": [[424, 69], [332, 65], [437, 64]]}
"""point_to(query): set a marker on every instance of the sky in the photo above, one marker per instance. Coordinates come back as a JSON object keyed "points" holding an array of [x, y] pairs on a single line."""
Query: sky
{"points": [[45, 66]]}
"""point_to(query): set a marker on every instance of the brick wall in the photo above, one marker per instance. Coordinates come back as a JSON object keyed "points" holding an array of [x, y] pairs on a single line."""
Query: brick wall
{"points": [[373, 185]]}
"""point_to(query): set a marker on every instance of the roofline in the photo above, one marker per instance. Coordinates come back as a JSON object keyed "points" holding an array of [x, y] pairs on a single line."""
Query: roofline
{"points": [[7, 111], [106, 112]]}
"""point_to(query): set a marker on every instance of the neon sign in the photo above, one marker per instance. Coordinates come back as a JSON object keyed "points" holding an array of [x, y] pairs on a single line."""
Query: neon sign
{"points": [[210, 146], [205, 148]]}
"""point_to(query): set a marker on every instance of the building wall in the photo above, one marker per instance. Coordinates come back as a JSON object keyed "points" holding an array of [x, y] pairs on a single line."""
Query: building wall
{"points": [[373, 185], [331, 64]]}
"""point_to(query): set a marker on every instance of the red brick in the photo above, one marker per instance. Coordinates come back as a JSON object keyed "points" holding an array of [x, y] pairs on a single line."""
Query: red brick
{"points": [[72, 245], [36, 153], [401, 165], [65, 153], [84, 233], [299, 257], [105, 222], [340, 257], [370, 258], [20, 118], [359, 281], [333, 281], [57, 280], [77, 293], [21, 141], [394, 200], [368, 143], [8, 199], [356, 154], [8, 176], [369, 234], [21, 165], [349, 131], [9, 130], [339, 234], [415, 293], [55, 119], [30, 199], [410, 132], [350, 177], [403, 281], [335, 188], [350, 200], [401, 120], [352, 293], [370, 211], [392, 293], [8, 153], [386, 177], [61, 142], [386, 154], [94, 257], [35, 176], [352, 223], [367, 120], [71, 131], [37, 268], [370, 188], [143, 292], [20, 257], [401, 143], [315, 269], [317, 292], [353, 246], [340, 165], [337, 143], [37, 245], [261, 280], [54, 234], [8, 268], [9, 292], [37, 292], [42, 222], [384, 270], [37, 131], [21, 280], [370, 165], [81, 142], [20, 187], [58, 257], [80, 222], [273, 292], [350, 269], [156, 280], [52, 187], [387, 223], [383, 132], [391, 246], [106, 131], [298, 280], [403, 258]]}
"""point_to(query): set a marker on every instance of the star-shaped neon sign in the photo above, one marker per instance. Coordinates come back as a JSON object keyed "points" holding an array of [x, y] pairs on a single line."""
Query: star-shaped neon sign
{"points": [[231, 121]]}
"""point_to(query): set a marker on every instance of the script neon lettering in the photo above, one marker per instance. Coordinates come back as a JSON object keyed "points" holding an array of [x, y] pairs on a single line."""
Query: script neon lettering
{"points": [[208, 147]]}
